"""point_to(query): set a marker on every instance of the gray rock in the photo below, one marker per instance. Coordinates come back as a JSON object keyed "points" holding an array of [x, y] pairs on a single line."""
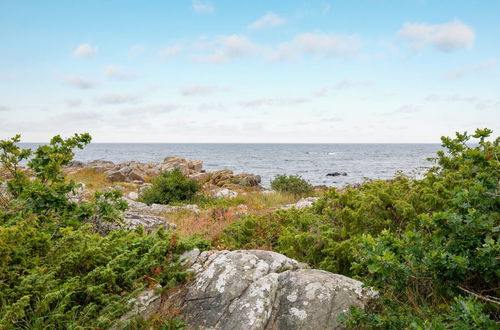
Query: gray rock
{"points": [[225, 193], [145, 304], [131, 221], [116, 176], [253, 289], [301, 204]]}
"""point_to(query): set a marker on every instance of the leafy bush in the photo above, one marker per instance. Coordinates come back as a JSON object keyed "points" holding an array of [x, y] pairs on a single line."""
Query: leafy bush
{"points": [[423, 243], [169, 187], [292, 184], [55, 272]]}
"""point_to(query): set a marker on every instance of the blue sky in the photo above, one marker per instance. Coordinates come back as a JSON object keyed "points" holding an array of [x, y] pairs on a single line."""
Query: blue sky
{"points": [[249, 71]]}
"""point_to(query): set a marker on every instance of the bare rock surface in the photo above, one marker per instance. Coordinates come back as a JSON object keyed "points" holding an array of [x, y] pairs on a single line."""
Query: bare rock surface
{"points": [[131, 220], [158, 209], [302, 204], [254, 289]]}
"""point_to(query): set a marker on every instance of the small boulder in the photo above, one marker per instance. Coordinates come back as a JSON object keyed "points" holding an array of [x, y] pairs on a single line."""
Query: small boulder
{"points": [[225, 193], [116, 176]]}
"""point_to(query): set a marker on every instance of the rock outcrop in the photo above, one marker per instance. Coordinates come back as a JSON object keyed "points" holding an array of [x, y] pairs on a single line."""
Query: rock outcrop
{"points": [[131, 220], [138, 171], [301, 204], [253, 289]]}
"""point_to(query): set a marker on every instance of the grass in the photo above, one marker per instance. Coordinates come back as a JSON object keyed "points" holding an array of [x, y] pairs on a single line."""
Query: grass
{"points": [[97, 181]]}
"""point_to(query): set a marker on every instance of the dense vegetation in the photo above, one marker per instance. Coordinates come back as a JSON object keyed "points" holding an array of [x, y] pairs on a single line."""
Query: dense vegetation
{"points": [[55, 272], [291, 184], [430, 245], [169, 187]]}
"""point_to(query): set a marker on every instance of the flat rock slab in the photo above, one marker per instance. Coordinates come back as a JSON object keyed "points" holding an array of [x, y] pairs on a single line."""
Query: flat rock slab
{"points": [[254, 289]]}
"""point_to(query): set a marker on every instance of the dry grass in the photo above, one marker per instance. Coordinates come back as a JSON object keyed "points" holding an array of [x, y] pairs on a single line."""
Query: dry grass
{"points": [[214, 218], [97, 181]]}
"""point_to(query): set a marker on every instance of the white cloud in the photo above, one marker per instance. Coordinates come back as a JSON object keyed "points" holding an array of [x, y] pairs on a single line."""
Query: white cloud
{"points": [[227, 48], [117, 99], [318, 45], [460, 73], [150, 109], [202, 7], [274, 101], [446, 37], [116, 72], [85, 50], [195, 90], [73, 103], [4, 108], [81, 83], [268, 20], [170, 51], [347, 83], [408, 108]]}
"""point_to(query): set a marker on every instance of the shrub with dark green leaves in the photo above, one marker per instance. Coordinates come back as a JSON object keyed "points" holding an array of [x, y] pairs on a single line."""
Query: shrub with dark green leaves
{"points": [[55, 272], [423, 243], [291, 184], [170, 187]]}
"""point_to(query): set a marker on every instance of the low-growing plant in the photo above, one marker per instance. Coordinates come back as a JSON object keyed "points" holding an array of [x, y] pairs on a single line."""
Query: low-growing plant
{"points": [[429, 245], [291, 184], [55, 271], [170, 187]]}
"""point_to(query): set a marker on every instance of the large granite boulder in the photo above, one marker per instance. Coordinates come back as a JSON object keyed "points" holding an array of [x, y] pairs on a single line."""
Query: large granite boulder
{"points": [[253, 289]]}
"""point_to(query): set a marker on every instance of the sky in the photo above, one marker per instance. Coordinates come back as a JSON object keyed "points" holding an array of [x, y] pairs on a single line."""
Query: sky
{"points": [[366, 71]]}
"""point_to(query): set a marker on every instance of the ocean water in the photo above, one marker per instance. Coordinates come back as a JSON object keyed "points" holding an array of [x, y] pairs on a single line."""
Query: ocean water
{"points": [[311, 161]]}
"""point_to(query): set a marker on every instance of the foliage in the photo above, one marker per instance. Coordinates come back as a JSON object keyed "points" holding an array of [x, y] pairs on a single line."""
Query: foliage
{"points": [[168, 187], [292, 184], [423, 243], [55, 272]]}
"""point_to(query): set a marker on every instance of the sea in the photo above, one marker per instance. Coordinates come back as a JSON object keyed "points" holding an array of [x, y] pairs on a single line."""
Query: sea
{"points": [[311, 161]]}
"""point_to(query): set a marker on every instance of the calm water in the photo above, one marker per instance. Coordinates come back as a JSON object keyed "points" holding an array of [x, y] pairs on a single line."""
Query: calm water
{"points": [[311, 161]]}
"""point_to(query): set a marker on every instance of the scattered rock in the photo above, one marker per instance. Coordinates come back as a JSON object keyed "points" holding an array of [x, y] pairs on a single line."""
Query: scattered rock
{"points": [[116, 176], [131, 220], [337, 174], [133, 195], [225, 193], [145, 304], [253, 289], [158, 209], [302, 204]]}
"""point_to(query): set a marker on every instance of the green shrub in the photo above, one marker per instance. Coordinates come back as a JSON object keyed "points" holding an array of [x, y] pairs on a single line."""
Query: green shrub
{"points": [[170, 187], [55, 272], [291, 184], [423, 243]]}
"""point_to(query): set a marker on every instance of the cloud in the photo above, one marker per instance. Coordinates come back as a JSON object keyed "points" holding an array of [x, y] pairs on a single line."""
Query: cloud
{"points": [[446, 37], [227, 48], [460, 73], [408, 108], [318, 45], [151, 110], [4, 108], [274, 101], [195, 90], [137, 49], [74, 103], [117, 99], [320, 91], [461, 98], [170, 51], [202, 7], [85, 50], [118, 73], [347, 83], [268, 20], [81, 83]]}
